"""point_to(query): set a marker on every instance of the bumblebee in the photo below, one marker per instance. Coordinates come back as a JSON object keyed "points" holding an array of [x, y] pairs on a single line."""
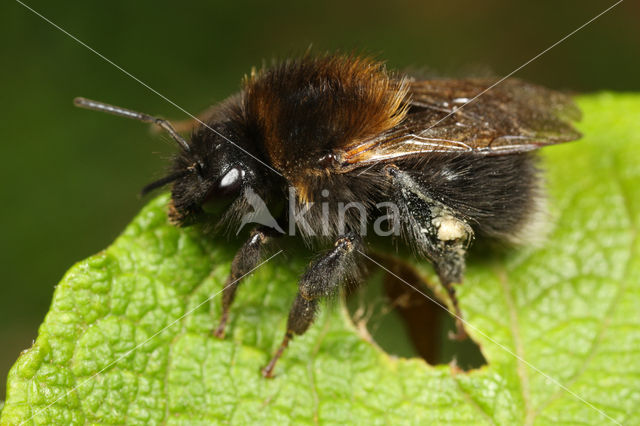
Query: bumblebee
{"points": [[456, 159]]}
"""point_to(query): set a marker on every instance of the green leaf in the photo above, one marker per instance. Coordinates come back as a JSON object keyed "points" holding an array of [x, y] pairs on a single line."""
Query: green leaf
{"points": [[569, 308]]}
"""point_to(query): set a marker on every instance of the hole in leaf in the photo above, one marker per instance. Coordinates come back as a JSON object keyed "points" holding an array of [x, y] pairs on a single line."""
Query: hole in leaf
{"points": [[405, 323]]}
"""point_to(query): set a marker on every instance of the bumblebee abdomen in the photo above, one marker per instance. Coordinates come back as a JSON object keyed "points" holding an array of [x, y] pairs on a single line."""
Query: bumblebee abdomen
{"points": [[499, 196]]}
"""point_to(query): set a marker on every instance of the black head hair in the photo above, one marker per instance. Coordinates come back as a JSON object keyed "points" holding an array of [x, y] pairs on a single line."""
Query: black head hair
{"points": [[213, 173]]}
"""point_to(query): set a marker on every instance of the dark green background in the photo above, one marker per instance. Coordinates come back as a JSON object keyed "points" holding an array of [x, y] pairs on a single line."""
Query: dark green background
{"points": [[70, 178]]}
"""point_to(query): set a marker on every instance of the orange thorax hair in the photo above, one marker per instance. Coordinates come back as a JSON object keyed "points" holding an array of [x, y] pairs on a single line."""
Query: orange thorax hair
{"points": [[307, 108]]}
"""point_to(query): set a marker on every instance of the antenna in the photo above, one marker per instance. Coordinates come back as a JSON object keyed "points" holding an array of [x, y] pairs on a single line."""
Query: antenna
{"points": [[163, 181], [123, 112]]}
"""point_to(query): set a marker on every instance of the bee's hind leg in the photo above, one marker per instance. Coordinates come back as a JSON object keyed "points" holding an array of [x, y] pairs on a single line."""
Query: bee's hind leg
{"points": [[436, 232], [322, 278], [449, 279]]}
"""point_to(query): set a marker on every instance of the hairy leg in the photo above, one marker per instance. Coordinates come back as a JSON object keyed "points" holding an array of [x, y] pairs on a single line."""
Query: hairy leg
{"points": [[435, 232], [247, 258], [321, 279]]}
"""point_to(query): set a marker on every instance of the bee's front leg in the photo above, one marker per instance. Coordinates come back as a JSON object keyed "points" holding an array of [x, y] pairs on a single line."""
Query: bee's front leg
{"points": [[321, 279], [247, 258]]}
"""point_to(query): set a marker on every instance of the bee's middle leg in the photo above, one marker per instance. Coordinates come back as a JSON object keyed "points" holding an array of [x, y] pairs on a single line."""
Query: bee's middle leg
{"points": [[321, 279]]}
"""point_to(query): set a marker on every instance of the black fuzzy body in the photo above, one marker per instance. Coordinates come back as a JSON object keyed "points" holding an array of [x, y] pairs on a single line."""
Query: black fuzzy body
{"points": [[298, 118]]}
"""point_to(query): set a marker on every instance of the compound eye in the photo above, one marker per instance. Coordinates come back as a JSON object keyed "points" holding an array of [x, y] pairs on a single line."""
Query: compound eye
{"points": [[224, 191], [231, 182]]}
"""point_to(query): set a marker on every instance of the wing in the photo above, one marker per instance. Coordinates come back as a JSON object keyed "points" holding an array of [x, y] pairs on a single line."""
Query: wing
{"points": [[443, 116]]}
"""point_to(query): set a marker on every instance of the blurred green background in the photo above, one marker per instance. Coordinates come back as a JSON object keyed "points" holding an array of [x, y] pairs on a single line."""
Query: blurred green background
{"points": [[70, 178]]}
